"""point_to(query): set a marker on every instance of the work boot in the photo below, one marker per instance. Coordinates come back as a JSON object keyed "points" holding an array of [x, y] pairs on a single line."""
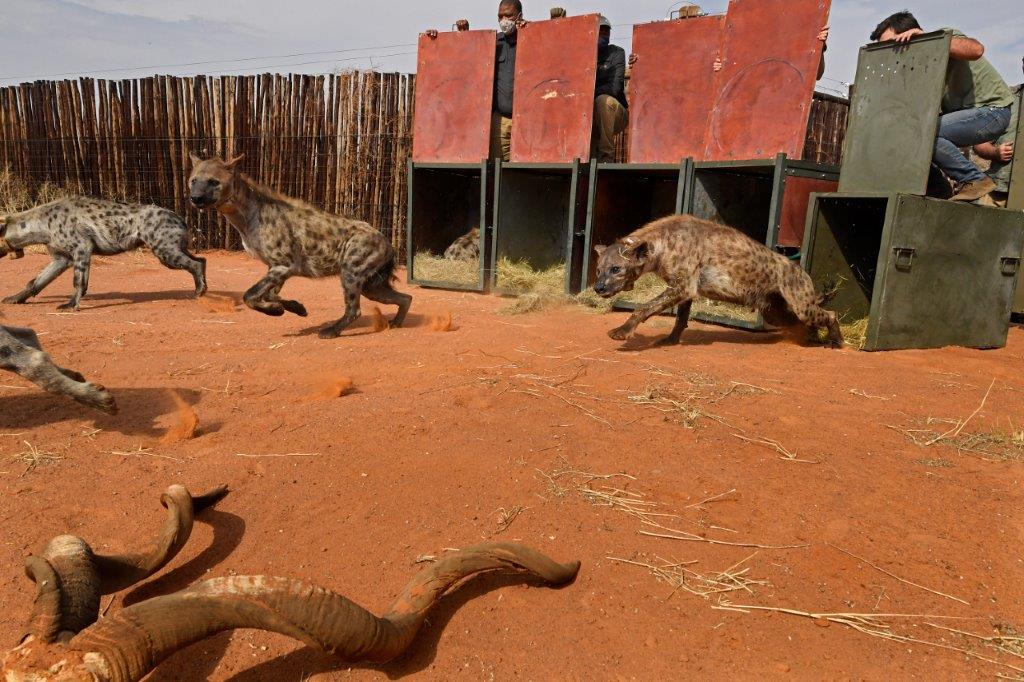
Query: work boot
{"points": [[972, 191]]}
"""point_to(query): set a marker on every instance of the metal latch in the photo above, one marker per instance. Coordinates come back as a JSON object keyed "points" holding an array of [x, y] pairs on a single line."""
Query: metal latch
{"points": [[1010, 266], [904, 258]]}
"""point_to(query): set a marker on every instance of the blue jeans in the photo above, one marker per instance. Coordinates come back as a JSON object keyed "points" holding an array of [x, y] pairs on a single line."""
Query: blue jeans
{"points": [[965, 129]]}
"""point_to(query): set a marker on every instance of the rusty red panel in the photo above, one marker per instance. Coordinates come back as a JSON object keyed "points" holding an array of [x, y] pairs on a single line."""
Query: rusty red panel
{"points": [[556, 73], [671, 88], [454, 92], [794, 207], [771, 56]]}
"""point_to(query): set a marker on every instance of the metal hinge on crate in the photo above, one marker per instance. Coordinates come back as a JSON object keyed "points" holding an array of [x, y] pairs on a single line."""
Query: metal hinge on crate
{"points": [[1010, 266], [904, 258]]}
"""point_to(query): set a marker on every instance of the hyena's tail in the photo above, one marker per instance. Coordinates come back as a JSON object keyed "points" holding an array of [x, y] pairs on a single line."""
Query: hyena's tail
{"points": [[385, 274]]}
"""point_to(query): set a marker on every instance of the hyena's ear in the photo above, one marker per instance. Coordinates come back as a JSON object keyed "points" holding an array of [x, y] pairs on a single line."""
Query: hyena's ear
{"points": [[234, 162], [599, 250], [195, 159], [634, 249]]}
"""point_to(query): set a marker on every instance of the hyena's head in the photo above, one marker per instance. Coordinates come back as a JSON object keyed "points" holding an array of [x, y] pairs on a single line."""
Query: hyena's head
{"points": [[212, 183], [619, 266], [5, 246]]}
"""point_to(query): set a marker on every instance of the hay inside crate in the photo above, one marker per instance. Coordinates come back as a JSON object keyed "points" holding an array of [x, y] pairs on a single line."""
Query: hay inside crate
{"points": [[430, 268]]}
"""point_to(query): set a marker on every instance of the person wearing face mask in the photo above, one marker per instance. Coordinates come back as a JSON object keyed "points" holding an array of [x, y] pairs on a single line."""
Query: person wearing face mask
{"points": [[510, 20], [611, 110]]}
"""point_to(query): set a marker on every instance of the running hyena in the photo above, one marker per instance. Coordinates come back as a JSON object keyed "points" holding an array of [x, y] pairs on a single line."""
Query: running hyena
{"points": [[293, 238], [75, 228], [700, 258], [466, 247]]}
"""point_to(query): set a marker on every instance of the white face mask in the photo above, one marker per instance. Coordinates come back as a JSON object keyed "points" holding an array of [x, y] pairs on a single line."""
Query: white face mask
{"points": [[508, 26]]}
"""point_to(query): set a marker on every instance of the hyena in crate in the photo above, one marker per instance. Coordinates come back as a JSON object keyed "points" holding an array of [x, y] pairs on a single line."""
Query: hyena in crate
{"points": [[75, 228], [466, 247], [295, 239], [701, 258]]}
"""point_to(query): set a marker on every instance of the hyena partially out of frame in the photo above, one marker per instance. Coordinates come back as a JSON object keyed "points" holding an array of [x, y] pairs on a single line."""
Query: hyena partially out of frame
{"points": [[21, 353], [75, 228], [295, 239]]}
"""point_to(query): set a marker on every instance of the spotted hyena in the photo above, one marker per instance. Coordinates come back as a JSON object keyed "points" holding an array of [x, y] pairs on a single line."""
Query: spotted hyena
{"points": [[466, 247], [20, 353], [296, 239], [700, 258], [75, 228]]}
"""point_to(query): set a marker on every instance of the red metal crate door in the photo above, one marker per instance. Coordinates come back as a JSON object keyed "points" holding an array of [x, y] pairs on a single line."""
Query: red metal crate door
{"points": [[454, 92], [556, 73], [770, 62], [672, 88], [795, 204]]}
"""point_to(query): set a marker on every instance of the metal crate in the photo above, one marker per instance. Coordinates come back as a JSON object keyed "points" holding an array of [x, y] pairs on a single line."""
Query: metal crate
{"points": [[538, 218], [926, 273], [622, 199], [765, 199], [447, 200]]}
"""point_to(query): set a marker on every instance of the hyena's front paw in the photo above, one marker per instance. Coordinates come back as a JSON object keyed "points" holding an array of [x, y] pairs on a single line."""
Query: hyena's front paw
{"points": [[70, 305], [15, 300], [622, 333], [97, 397]]}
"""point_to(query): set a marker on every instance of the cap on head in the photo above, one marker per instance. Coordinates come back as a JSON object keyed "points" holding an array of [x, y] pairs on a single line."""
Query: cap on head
{"points": [[604, 22]]}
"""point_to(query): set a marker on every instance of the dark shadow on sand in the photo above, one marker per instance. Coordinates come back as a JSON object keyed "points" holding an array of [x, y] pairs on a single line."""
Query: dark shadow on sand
{"points": [[139, 410]]}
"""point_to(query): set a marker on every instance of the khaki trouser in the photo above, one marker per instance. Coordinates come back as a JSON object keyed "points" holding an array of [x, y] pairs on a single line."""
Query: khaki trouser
{"points": [[501, 137], [610, 119]]}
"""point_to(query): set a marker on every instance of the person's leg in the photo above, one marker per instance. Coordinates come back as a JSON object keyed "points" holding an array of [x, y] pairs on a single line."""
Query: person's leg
{"points": [[609, 117], [506, 138], [964, 129], [501, 137]]}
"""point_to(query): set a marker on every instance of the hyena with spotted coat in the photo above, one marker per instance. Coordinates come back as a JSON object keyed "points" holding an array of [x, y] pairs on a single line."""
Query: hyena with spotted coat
{"points": [[75, 228], [466, 247], [295, 239], [701, 258]]}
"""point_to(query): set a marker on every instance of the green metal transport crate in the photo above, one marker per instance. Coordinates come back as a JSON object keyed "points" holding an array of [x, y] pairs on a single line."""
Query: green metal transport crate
{"points": [[539, 211], [446, 201], [765, 199], [926, 273], [622, 198]]}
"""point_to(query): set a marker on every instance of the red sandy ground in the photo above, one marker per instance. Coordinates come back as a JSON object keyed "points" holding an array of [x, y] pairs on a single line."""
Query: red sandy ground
{"points": [[443, 431]]}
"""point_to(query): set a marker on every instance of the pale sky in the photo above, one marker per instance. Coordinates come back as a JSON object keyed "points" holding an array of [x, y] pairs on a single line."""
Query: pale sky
{"points": [[46, 39]]}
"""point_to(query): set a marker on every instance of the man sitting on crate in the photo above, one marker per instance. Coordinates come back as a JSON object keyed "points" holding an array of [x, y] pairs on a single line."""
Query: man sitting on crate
{"points": [[611, 110], [975, 105], [510, 20], [1000, 153]]}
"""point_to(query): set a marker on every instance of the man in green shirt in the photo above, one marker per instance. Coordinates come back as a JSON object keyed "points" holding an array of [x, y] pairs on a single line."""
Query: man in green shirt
{"points": [[975, 105]]}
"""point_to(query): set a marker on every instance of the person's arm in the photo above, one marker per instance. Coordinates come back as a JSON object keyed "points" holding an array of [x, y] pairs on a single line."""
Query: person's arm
{"points": [[966, 49], [994, 152], [823, 37], [962, 47]]}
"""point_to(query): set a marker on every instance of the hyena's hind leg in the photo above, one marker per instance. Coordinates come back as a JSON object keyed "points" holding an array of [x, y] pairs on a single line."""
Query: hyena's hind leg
{"points": [[51, 272], [174, 254], [81, 259], [379, 289], [352, 287]]}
